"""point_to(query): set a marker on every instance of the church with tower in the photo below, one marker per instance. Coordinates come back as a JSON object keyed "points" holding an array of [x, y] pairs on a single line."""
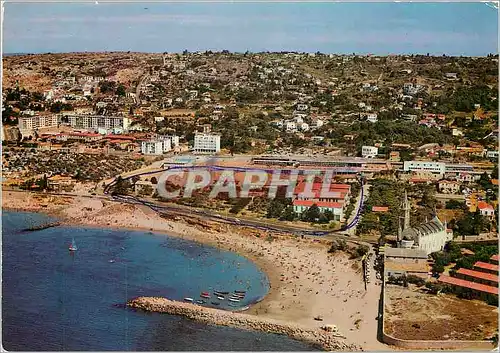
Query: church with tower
{"points": [[430, 236]]}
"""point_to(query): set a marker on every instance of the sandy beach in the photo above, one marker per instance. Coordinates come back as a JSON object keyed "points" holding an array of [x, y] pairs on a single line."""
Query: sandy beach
{"points": [[306, 281]]}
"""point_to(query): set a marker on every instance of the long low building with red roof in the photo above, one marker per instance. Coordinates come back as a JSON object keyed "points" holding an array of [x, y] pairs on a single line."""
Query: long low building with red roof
{"points": [[486, 267], [494, 259], [479, 288], [300, 206], [478, 277]]}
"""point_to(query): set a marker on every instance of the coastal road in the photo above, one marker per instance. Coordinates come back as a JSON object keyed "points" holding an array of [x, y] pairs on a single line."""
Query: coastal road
{"points": [[352, 231], [208, 215]]}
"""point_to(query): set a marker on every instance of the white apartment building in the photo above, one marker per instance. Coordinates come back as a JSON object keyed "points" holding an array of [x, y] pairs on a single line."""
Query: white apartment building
{"points": [[290, 126], [37, 122], [372, 118], [369, 151], [156, 147], [206, 143], [492, 154], [98, 121], [425, 166], [174, 140]]}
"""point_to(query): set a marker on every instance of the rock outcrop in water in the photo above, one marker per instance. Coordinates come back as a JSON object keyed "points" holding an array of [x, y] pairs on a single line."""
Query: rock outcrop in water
{"points": [[326, 340]]}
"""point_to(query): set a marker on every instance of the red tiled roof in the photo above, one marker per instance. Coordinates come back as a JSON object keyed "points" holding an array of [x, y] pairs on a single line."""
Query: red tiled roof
{"points": [[380, 208], [486, 266], [494, 257], [80, 134], [309, 203], [419, 180], [120, 137], [484, 206], [467, 284], [478, 274], [317, 187]]}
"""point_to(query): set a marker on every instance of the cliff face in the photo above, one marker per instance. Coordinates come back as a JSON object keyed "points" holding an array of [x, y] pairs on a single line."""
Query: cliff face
{"points": [[326, 340]]}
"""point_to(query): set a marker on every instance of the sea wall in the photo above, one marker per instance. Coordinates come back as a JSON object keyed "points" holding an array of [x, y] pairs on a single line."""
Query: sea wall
{"points": [[326, 340]]}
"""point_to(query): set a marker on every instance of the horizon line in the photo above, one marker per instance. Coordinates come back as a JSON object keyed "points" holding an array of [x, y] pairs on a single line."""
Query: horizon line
{"points": [[224, 51]]}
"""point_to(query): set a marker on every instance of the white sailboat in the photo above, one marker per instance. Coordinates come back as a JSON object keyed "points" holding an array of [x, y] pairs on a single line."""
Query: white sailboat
{"points": [[73, 246]]}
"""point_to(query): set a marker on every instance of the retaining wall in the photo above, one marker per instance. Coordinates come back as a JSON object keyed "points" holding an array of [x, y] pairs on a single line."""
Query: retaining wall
{"points": [[423, 344]]}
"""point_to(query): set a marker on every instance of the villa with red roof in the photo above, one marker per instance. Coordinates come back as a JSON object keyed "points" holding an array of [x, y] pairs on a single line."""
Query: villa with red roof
{"points": [[486, 209], [300, 206]]}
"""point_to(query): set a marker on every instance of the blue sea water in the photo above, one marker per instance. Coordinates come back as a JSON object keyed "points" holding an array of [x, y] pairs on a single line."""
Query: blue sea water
{"points": [[53, 300]]}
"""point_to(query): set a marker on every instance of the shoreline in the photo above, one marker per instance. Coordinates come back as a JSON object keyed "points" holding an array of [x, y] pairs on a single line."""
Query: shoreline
{"points": [[305, 281]]}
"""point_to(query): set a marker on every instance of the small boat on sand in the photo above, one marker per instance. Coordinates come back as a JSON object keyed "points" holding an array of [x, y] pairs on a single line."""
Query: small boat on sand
{"points": [[188, 300]]}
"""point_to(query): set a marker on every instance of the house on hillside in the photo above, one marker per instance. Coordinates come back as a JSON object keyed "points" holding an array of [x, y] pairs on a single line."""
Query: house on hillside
{"points": [[448, 187], [486, 209]]}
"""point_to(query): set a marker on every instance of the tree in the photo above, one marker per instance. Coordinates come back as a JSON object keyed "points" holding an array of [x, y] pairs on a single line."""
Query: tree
{"points": [[121, 187], [494, 172], [455, 204], [107, 86], [288, 214], [154, 180], [361, 250], [275, 209], [329, 215], [312, 214], [120, 91], [485, 181]]}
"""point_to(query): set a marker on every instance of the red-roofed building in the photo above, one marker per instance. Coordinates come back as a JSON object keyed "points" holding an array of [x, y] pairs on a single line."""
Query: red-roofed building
{"points": [[120, 137], [333, 193], [478, 277], [486, 209], [494, 259], [381, 209], [300, 206], [477, 289], [486, 267], [86, 137]]}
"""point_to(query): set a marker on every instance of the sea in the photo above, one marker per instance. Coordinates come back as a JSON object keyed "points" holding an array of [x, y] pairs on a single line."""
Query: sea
{"points": [[55, 300]]}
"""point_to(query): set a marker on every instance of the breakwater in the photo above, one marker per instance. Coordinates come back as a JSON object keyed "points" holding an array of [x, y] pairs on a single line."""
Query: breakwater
{"points": [[42, 226], [330, 341]]}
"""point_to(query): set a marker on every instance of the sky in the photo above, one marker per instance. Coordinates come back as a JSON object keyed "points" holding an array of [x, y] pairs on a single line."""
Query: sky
{"points": [[469, 29]]}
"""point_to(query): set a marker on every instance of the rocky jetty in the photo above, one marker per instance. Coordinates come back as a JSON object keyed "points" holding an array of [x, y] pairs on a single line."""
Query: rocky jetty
{"points": [[42, 226], [329, 341]]}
